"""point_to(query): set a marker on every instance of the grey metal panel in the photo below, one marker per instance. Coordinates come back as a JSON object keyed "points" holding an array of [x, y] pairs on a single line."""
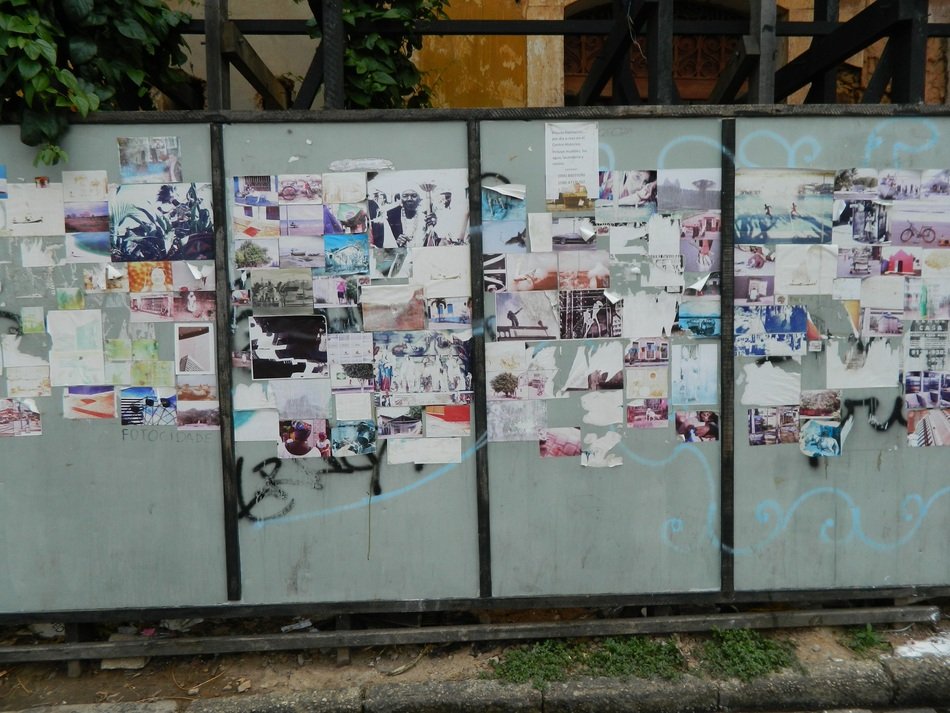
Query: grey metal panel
{"points": [[877, 515], [92, 514], [418, 538], [650, 525]]}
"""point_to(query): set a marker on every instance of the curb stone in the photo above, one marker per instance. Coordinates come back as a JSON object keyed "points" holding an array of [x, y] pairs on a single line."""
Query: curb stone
{"points": [[452, 697], [342, 700], [144, 707], [685, 695], [919, 681], [849, 684]]}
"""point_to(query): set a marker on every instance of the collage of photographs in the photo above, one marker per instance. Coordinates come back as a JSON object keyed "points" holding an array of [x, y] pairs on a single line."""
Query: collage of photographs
{"points": [[610, 297], [357, 291], [111, 295], [877, 243]]}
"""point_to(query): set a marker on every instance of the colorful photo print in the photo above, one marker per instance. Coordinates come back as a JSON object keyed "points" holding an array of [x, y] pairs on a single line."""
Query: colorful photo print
{"points": [[255, 221], [864, 261], [755, 290], [561, 442], [648, 413], [423, 362], [87, 217], [350, 348], [503, 202], [449, 313], [353, 438], [586, 314], [300, 188], [928, 427], [346, 218], [901, 261], [527, 384], [148, 406], [418, 208], [196, 387], [865, 222], [399, 422], [42, 251], [393, 307], [935, 185], [194, 349], [783, 205], [820, 403], [150, 159], [772, 426], [647, 351], [696, 426], [494, 266], [682, 189], [448, 420], [573, 234], [255, 190], [20, 417], [338, 291], [193, 306], [647, 382], [390, 263], [877, 322], [754, 260], [303, 439], [307, 252], [516, 420], [288, 347], [505, 236], [151, 308], [80, 186], [70, 298], [88, 247], [168, 222], [32, 321], [344, 187], [342, 320], [352, 377], [34, 210], [533, 271], [700, 317], [257, 253], [526, 315], [198, 415], [150, 276], [770, 330], [304, 220], [26, 381], [898, 184], [345, 255], [197, 275], [820, 439], [695, 373], [92, 402], [700, 241], [582, 270], [626, 196], [927, 389], [281, 292]]}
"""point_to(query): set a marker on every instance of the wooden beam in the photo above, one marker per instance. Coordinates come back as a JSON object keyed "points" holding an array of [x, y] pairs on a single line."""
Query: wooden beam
{"points": [[910, 38], [615, 50], [194, 646], [219, 74], [868, 26], [312, 81], [883, 73], [236, 49], [762, 26], [744, 60], [661, 88], [824, 88], [333, 43]]}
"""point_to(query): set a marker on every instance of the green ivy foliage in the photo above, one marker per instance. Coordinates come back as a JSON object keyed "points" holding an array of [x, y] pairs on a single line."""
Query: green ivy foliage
{"points": [[378, 72], [63, 57]]}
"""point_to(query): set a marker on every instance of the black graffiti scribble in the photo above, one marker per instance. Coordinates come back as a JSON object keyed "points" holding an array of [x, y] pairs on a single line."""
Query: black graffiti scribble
{"points": [[872, 402], [274, 488]]}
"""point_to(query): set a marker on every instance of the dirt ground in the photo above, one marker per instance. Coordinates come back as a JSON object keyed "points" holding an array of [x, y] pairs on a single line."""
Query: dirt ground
{"points": [[186, 679]]}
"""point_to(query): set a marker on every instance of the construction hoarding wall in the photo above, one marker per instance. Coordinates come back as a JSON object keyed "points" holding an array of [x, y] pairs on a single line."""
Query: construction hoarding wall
{"points": [[484, 358]]}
